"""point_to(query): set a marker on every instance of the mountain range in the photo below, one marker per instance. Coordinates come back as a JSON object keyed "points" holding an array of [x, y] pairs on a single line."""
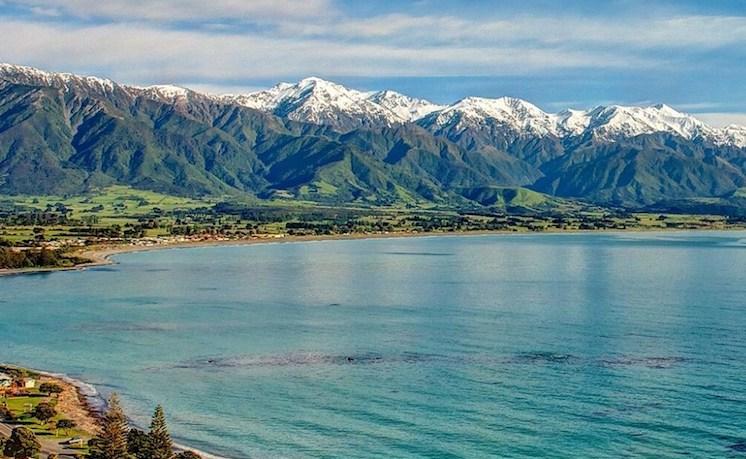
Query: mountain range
{"points": [[317, 140]]}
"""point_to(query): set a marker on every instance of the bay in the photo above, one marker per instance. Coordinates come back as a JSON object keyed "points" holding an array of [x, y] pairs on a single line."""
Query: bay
{"points": [[565, 345]]}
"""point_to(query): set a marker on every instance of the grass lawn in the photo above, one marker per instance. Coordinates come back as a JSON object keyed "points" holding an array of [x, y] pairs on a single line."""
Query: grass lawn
{"points": [[22, 406]]}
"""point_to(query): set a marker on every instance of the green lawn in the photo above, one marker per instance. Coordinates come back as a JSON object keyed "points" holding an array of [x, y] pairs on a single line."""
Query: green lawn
{"points": [[22, 406]]}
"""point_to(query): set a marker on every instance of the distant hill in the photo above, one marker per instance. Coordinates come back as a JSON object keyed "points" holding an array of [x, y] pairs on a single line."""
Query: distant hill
{"points": [[732, 204], [318, 141]]}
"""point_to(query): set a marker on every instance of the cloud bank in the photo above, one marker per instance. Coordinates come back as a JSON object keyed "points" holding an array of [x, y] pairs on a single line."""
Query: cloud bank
{"points": [[236, 43]]}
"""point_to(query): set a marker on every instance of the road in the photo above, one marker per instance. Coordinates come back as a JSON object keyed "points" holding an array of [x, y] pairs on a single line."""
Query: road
{"points": [[48, 445]]}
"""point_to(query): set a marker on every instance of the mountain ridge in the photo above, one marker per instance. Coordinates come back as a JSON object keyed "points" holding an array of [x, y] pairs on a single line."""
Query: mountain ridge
{"points": [[321, 141], [390, 107]]}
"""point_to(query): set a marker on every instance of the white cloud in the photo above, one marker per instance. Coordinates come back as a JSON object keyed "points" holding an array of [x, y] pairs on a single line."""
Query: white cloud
{"points": [[722, 119], [641, 33], [170, 10], [219, 89], [699, 106], [136, 41], [321, 19], [44, 11], [141, 53]]}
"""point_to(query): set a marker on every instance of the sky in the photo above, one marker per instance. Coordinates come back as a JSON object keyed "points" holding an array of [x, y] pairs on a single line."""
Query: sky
{"points": [[690, 54]]}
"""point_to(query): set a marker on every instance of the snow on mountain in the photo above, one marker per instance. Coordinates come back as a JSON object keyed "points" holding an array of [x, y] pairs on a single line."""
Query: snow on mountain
{"points": [[266, 100], [31, 76], [516, 115], [317, 101], [607, 123], [166, 92], [68, 81], [616, 121], [731, 135], [572, 122], [314, 100], [405, 107]]}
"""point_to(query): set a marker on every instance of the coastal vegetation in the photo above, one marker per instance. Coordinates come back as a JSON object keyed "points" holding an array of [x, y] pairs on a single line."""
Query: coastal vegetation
{"points": [[22, 444], [51, 232], [32, 257], [117, 440], [35, 412]]}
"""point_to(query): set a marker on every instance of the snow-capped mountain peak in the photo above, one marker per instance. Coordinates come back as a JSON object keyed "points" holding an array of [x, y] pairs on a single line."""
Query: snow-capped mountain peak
{"points": [[318, 101], [608, 123], [166, 92], [33, 76], [622, 121], [515, 114], [572, 122], [732, 135], [405, 107]]}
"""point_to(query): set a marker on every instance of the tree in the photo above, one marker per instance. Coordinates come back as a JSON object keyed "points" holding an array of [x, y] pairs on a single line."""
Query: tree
{"points": [[44, 412], [161, 446], [66, 425], [22, 444], [50, 388], [111, 442], [5, 413], [138, 444], [188, 455]]}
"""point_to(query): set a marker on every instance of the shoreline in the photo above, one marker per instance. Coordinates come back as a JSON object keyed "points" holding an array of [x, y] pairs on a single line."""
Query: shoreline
{"points": [[102, 255], [94, 404], [77, 401], [88, 395]]}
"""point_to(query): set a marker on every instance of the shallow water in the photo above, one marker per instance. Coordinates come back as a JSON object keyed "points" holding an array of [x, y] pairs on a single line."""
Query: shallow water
{"points": [[585, 345]]}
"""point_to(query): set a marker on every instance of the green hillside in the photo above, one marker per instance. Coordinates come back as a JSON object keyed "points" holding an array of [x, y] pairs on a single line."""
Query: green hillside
{"points": [[66, 141]]}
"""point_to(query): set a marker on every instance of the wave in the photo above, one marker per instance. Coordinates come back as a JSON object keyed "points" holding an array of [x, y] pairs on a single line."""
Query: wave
{"points": [[202, 454], [93, 398]]}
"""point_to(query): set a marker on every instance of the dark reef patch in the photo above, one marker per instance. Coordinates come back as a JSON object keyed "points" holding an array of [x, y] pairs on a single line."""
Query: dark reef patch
{"points": [[649, 362], [420, 254], [540, 357]]}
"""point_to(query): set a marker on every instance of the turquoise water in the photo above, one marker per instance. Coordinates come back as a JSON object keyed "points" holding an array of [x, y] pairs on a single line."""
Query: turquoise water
{"points": [[593, 345]]}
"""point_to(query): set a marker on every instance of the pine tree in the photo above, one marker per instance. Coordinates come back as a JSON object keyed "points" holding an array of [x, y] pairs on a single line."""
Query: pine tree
{"points": [[111, 443], [22, 444], [160, 444]]}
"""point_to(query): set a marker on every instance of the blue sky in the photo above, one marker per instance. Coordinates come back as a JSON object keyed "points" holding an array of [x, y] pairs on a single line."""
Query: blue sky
{"points": [[582, 53]]}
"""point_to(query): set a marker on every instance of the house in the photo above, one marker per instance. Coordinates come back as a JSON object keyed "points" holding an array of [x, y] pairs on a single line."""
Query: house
{"points": [[5, 380], [28, 383]]}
